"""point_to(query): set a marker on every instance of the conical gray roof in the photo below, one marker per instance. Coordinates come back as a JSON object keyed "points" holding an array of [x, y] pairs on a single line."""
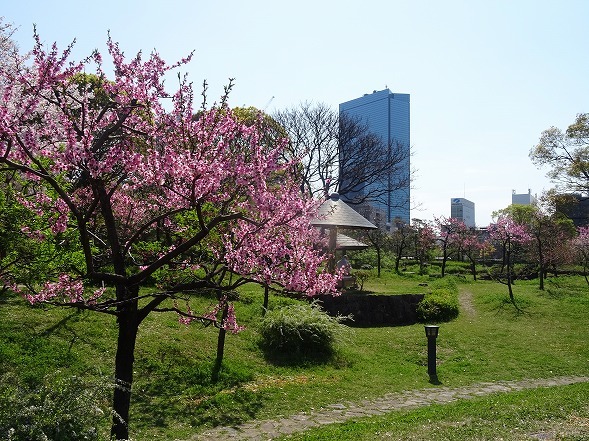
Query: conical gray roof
{"points": [[348, 243], [336, 213]]}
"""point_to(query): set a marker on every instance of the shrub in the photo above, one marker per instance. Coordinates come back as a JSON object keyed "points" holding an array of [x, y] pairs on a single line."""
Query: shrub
{"points": [[361, 277], [441, 305], [368, 257], [300, 328], [60, 410]]}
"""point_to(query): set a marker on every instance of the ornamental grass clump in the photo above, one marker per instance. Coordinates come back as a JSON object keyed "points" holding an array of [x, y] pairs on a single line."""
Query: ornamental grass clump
{"points": [[301, 329]]}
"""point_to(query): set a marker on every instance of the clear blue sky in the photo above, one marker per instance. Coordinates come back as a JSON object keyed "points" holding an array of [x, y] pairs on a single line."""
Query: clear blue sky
{"points": [[485, 77]]}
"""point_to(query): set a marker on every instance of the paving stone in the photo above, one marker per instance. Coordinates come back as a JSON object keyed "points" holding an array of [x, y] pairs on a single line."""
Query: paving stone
{"points": [[269, 429]]}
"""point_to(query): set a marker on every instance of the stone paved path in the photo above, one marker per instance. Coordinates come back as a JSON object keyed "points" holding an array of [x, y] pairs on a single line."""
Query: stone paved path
{"points": [[338, 413]]}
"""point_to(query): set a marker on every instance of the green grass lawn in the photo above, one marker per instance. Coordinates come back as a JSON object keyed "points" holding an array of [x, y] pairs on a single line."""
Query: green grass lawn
{"points": [[175, 397]]}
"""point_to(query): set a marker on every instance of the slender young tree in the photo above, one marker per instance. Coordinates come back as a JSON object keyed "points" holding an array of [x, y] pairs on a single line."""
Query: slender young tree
{"points": [[425, 242], [581, 245], [401, 242], [470, 245], [142, 187], [507, 233], [448, 238]]}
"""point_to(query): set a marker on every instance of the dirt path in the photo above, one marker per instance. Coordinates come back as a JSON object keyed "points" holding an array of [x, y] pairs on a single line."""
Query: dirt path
{"points": [[466, 304]]}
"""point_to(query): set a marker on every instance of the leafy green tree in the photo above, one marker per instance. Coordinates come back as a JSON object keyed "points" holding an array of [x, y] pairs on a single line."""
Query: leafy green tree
{"points": [[566, 154]]}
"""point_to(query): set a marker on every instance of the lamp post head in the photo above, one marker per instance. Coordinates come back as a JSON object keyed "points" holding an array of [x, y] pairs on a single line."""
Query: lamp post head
{"points": [[431, 331]]}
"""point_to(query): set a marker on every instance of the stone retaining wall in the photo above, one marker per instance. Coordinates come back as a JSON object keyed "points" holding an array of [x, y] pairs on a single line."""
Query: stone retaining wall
{"points": [[373, 310]]}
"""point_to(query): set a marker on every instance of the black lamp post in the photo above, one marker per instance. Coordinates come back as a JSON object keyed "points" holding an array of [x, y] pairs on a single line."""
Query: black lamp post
{"points": [[431, 333]]}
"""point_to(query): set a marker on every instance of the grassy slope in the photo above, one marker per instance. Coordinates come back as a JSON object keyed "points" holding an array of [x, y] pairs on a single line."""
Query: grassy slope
{"points": [[174, 396]]}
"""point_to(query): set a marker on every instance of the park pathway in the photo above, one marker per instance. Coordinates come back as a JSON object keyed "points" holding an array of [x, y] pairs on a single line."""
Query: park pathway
{"points": [[341, 412]]}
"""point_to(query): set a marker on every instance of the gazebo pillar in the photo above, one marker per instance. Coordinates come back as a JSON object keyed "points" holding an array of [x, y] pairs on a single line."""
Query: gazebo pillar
{"points": [[331, 249]]}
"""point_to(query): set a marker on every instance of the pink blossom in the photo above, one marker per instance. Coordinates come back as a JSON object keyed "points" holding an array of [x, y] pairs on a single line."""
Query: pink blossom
{"points": [[166, 159]]}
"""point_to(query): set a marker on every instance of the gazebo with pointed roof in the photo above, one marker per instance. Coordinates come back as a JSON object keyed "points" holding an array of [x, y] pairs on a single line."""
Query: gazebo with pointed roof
{"points": [[335, 214]]}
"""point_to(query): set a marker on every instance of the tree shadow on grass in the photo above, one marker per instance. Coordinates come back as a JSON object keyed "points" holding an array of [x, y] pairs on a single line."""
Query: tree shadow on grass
{"points": [[174, 389], [515, 307]]}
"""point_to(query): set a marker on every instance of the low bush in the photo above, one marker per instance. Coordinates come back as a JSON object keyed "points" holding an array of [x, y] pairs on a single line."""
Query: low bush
{"points": [[368, 258], [441, 304], [301, 328]]}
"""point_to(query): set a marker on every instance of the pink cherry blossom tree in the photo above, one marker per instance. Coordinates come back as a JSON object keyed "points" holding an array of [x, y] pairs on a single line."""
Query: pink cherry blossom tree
{"points": [[145, 184], [507, 233], [425, 242], [468, 244], [581, 246], [448, 230]]}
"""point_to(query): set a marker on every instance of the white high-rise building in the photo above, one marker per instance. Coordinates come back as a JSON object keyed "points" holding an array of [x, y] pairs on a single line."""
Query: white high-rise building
{"points": [[462, 209], [524, 198]]}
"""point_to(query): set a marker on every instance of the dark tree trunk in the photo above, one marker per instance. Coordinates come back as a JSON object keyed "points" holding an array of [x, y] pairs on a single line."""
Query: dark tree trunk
{"points": [[378, 260], [266, 295], [542, 265], [128, 326], [444, 260], [220, 344], [510, 277], [473, 268]]}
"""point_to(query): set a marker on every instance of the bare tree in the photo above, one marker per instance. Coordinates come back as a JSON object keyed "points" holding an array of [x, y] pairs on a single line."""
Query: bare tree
{"points": [[402, 238], [370, 168], [339, 153], [312, 130]]}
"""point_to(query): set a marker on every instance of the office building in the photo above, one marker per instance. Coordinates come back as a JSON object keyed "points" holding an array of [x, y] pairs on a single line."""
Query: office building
{"points": [[462, 209], [523, 198], [387, 115], [575, 207]]}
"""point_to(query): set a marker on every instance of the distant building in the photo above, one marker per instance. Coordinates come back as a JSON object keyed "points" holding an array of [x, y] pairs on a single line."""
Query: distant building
{"points": [[575, 207], [524, 198], [462, 209], [387, 116]]}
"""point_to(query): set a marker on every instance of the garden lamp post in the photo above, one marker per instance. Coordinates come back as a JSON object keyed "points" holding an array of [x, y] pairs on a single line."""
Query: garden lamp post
{"points": [[431, 333]]}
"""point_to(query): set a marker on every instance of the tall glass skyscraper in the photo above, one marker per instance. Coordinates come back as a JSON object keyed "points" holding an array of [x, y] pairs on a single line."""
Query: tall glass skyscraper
{"points": [[387, 116]]}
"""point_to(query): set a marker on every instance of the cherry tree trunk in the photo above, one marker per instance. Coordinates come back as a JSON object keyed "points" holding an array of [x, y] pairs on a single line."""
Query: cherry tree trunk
{"points": [[128, 325], [220, 345]]}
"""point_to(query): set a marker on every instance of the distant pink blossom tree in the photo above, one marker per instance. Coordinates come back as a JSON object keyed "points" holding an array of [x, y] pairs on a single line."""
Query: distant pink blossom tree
{"points": [[469, 244], [581, 245], [119, 164], [425, 242], [507, 233], [448, 230]]}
